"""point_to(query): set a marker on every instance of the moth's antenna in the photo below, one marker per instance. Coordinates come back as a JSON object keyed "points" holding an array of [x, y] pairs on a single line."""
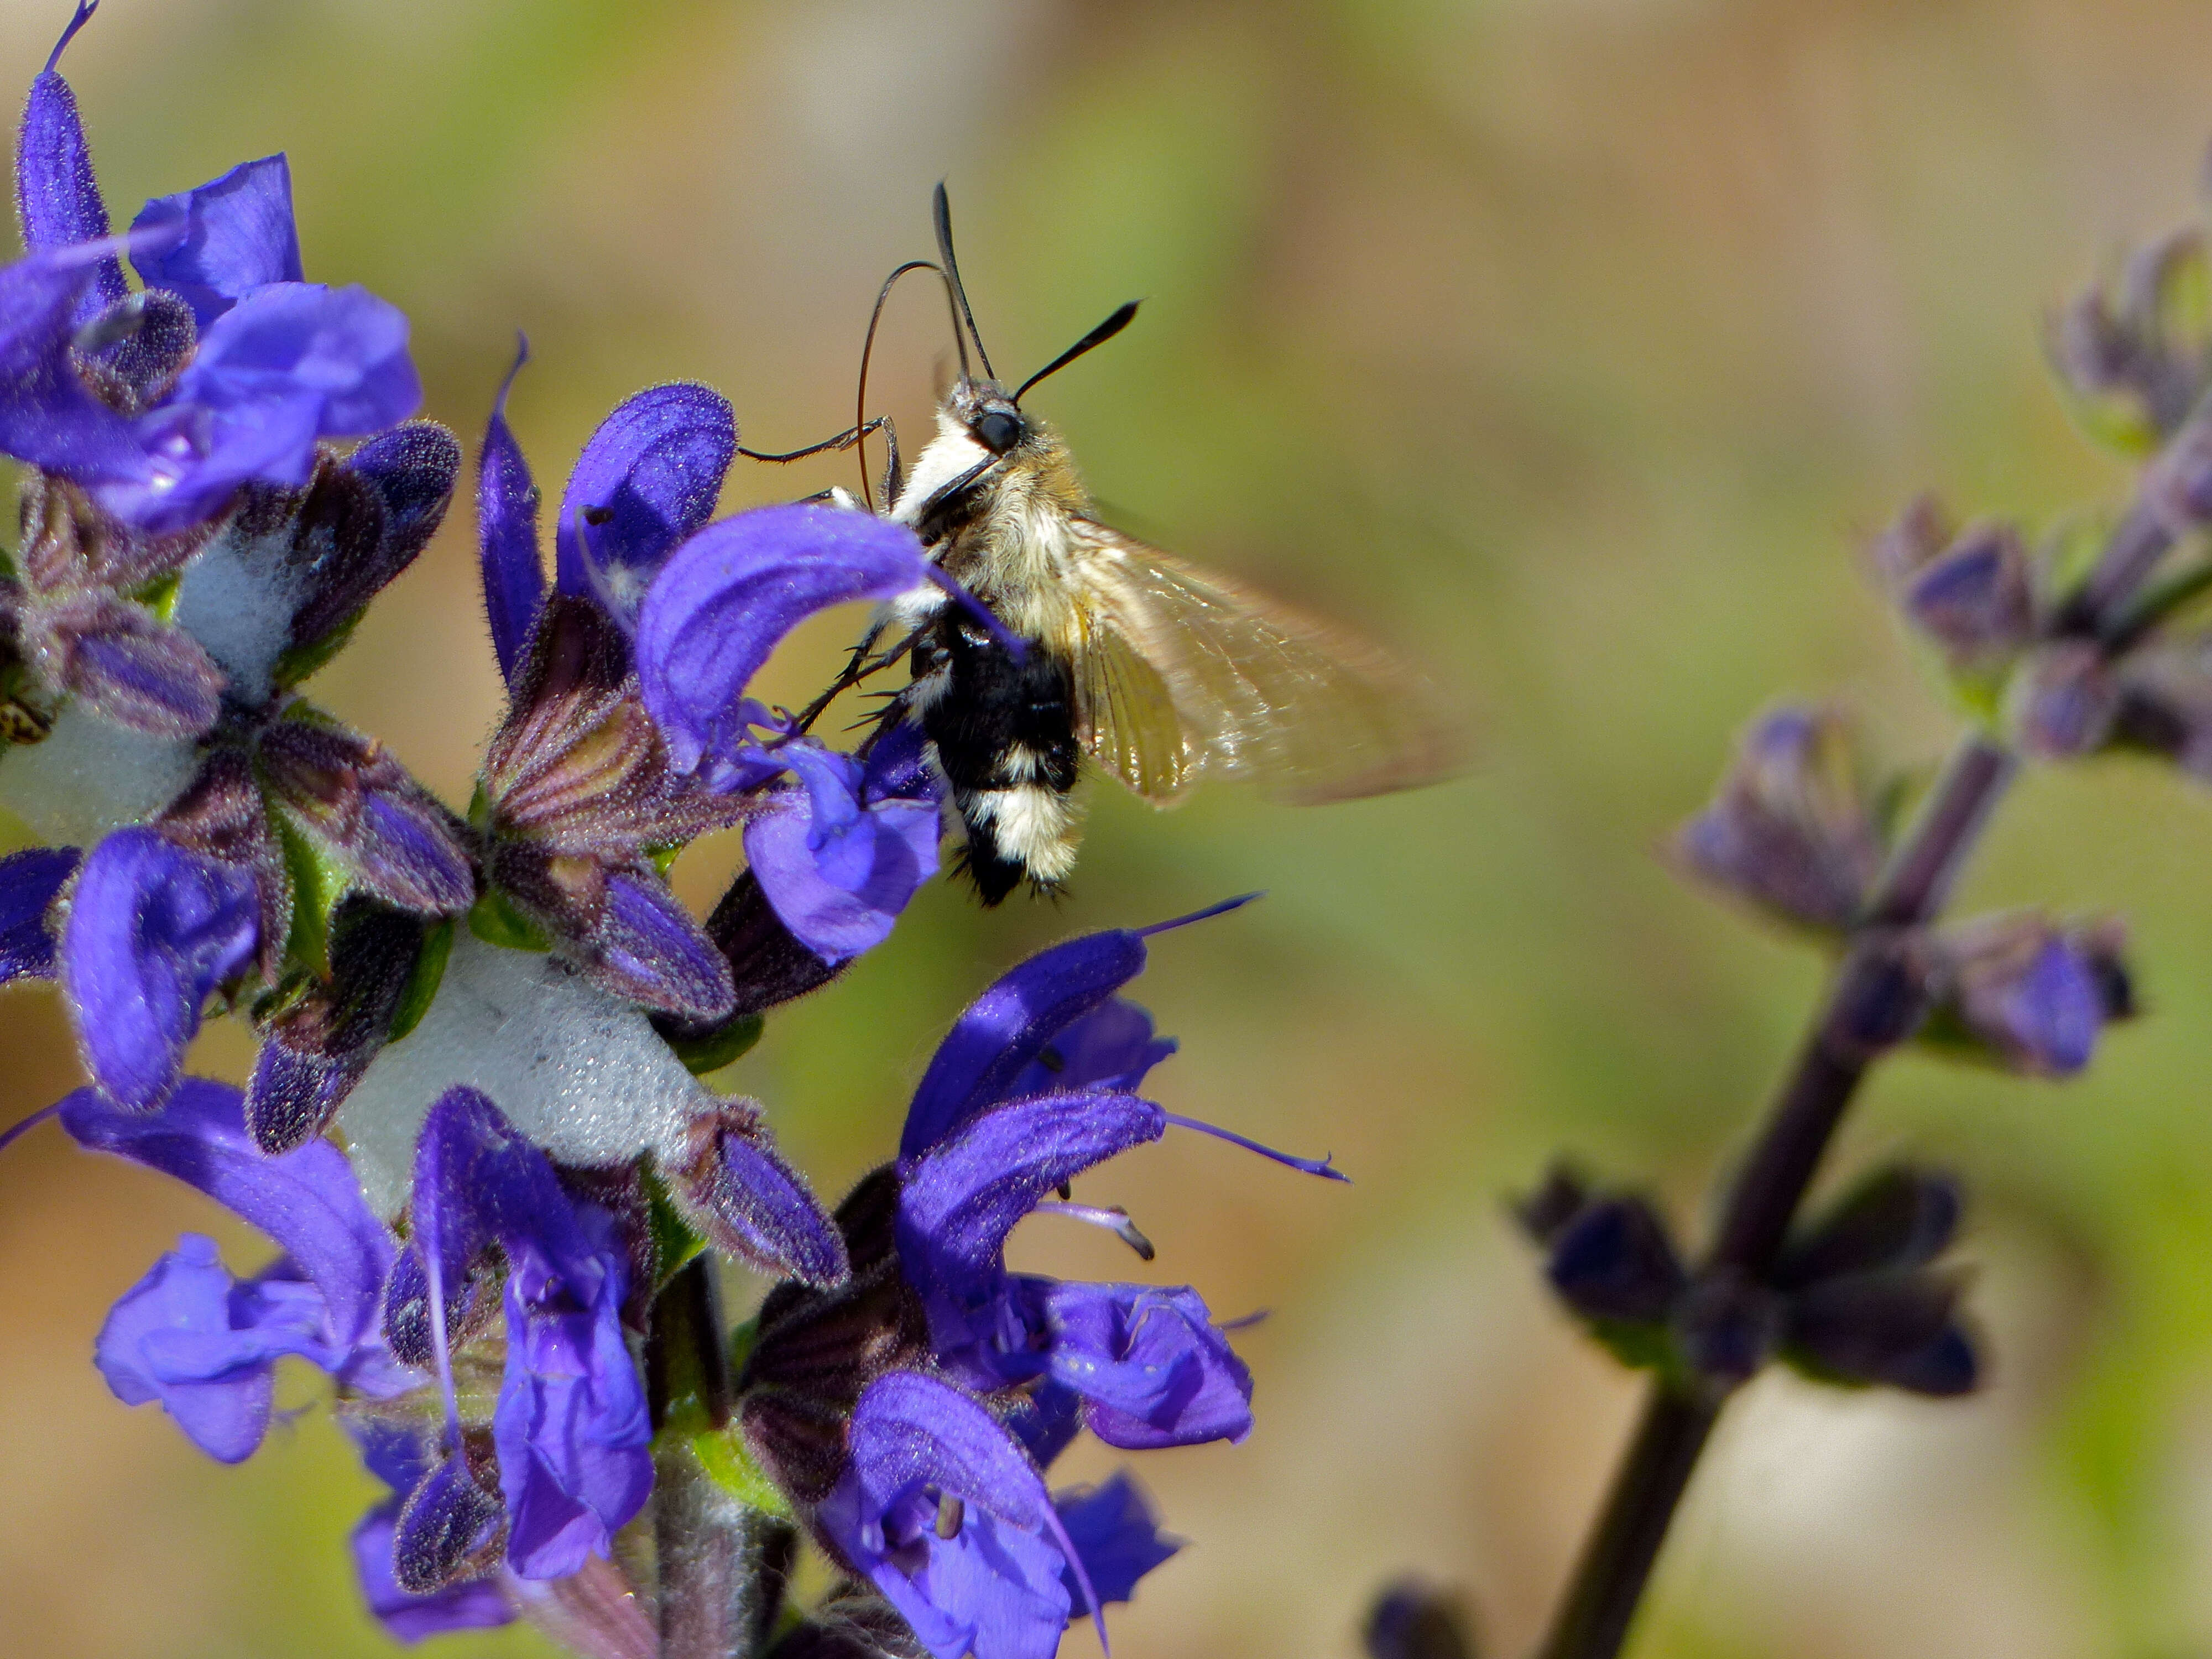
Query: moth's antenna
{"points": [[860, 423], [942, 211], [1097, 336]]}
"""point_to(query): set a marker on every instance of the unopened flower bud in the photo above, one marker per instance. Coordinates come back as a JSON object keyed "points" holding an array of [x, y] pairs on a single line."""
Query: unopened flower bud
{"points": [[1414, 1619], [2134, 354], [1790, 829], [2026, 993], [2065, 699]]}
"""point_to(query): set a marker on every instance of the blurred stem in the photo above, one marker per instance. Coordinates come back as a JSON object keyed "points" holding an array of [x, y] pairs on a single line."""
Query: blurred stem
{"points": [[720, 1586], [1616, 1565]]}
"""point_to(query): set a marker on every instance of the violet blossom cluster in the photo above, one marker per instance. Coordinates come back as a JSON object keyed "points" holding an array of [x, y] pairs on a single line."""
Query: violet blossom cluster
{"points": [[476, 1129]]}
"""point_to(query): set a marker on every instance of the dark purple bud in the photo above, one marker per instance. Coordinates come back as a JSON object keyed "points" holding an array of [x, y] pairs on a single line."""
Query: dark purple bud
{"points": [[1910, 544], [1546, 1212], [2065, 699], [450, 1528], [2134, 354], [1415, 1619], [647, 478], [2026, 993], [55, 191], [1790, 828], [215, 245], [1897, 1218], [1725, 1327], [400, 844], [2177, 483], [318, 1041], [1896, 1328], [507, 532], [647, 948], [1614, 1262], [28, 883], [1975, 599], [754, 1206], [133, 670], [365, 521], [1883, 996]]}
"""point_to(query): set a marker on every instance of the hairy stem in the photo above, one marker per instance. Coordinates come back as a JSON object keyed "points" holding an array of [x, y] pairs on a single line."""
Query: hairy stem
{"points": [[1616, 1563], [720, 1592]]}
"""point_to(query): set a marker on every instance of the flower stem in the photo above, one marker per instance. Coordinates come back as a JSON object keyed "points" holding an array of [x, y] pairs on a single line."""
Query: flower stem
{"points": [[721, 1563], [1609, 1581]]}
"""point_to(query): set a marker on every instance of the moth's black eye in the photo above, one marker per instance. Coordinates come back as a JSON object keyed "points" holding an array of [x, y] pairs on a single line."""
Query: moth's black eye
{"points": [[998, 431]]}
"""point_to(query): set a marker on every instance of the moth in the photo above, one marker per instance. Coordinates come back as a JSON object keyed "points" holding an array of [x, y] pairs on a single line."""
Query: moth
{"points": [[1105, 649]]}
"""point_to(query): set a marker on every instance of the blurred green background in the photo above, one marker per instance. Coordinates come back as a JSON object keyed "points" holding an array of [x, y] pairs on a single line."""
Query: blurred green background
{"points": [[1573, 346]]}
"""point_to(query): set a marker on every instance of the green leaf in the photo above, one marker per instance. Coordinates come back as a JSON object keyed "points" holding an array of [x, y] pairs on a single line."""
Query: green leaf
{"points": [[423, 984], [302, 660], [159, 595], [318, 882], [675, 1243], [495, 921], [717, 1048], [723, 1454]]}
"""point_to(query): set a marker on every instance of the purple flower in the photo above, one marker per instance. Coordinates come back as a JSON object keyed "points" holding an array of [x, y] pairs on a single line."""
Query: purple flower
{"points": [[397, 1456], [726, 598], [839, 855], [153, 929], [1790, 828], [570, 1424], [109, 389], [978, 1157], [202, 1343], [941, 1509], [2031, 995], [28, 883]]}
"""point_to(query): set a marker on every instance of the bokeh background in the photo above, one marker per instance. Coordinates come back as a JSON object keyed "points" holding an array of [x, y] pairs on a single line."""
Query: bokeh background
{"points": [[1573, 346]]}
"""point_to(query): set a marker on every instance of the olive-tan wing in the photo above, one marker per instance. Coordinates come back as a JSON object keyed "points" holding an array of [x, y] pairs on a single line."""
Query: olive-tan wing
{"points": [[1183, 674]]}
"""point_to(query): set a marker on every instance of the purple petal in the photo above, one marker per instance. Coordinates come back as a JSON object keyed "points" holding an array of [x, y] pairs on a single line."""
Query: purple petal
{"points": [[28, 882], [648, 950], [1115, 1531], [1005, 1030], [571, 1423], [756, 1207], [290, 363], [1046, 1421], [471, 1604], [47, 416], [994, 1587], [647, 478], [56, 190], [186, 1291], [228, 237], [574, 1435], [308, 1201], [1150, 1364], [507, 532], [730, 594], [152, 931], [957, 1204], [1112, 1047], [838, 874]]}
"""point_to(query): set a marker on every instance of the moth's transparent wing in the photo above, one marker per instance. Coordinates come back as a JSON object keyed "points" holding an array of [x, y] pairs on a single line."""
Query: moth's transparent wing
{"points": [[1185, 674]]}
